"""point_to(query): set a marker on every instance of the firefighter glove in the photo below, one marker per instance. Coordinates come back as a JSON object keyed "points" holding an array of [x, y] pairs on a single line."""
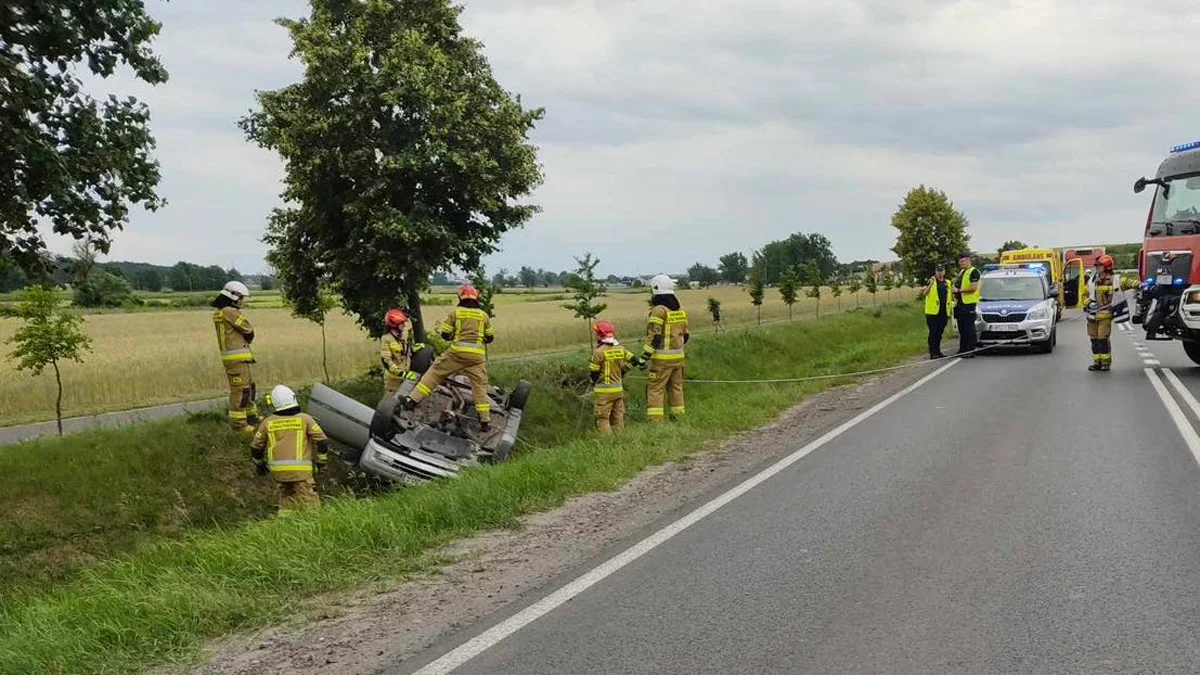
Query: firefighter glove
{"points": [[261, 469]]}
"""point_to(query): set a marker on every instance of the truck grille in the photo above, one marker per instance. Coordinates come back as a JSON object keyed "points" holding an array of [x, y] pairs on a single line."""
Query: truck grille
{"points": [[1008, 318], [1181, 265]]}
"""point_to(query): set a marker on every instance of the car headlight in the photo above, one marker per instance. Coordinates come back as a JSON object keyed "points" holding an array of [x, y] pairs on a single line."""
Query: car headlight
{"points": [[1191, 298], [1037, 314]]}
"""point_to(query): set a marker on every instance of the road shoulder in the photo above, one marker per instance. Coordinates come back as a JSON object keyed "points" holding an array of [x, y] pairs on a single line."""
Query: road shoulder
{"points": [[491, 574]]}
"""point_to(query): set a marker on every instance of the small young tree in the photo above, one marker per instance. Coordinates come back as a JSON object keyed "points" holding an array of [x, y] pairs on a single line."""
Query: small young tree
{"points": [[835, 289], [755, 289], [855, 286], [889, 282], [871, 285], [812, 277], [318, 313], [47, 336], [787, 289], [714, 310], [584, 291]]}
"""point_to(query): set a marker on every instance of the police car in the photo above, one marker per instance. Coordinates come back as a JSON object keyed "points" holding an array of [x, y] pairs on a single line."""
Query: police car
{"points": [[1017, 308]]}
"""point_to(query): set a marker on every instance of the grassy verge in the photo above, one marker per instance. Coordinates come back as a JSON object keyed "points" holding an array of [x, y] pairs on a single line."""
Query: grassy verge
{"points": [[161, 601]]}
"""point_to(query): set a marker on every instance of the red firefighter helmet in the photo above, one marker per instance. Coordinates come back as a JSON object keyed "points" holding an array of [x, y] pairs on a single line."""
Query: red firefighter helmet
{"points": [[604, 329], [394, 319], [1105, 261], [467, 292]]}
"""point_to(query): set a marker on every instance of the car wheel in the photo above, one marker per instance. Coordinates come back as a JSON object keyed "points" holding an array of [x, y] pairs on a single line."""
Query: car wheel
{"points": [[1192, 349], [520, 396], [422, 360]]}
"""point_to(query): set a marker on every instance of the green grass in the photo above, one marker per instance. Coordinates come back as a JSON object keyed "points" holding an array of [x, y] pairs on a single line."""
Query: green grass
{"points": [[160, 601]]}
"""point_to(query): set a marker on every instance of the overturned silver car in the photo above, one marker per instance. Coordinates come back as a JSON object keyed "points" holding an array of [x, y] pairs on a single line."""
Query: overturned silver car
{"points": [[437, 439]]}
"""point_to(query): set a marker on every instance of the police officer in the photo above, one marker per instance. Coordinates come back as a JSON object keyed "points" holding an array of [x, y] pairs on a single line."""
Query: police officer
{"points": [[966, 299], [939, 305]]}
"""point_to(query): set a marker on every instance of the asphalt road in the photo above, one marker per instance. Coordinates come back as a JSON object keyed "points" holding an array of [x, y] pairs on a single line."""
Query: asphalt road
{"points": [[26, 432], [1015, 513]]}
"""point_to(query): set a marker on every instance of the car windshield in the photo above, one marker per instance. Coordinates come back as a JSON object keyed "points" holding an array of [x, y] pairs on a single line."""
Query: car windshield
{"points": [[1012, 288], [1179, 211]]}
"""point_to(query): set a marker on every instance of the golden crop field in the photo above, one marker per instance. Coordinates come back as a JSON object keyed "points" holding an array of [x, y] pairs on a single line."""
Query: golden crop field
{"points": [[150, 358]]}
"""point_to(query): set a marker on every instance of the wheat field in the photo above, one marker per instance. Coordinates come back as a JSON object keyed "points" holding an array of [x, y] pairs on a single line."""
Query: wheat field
{"points": [[151, 358]]}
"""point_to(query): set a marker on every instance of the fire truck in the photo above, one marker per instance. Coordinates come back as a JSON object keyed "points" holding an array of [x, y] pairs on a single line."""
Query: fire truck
{"points": [[1168, 298]]}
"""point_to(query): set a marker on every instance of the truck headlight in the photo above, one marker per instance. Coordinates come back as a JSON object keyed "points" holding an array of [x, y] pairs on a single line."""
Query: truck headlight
{"points": [[1037, 314]]}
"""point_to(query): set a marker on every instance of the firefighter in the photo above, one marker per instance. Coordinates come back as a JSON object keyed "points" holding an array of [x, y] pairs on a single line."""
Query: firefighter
{"points": [[290, 447], [467, 328], [234, 335], [1099, 315], [395, 350], [609, 362], [666, 336]]}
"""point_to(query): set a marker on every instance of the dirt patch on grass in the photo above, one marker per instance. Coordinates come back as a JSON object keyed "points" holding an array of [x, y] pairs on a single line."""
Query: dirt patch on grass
{"points": [[387, 626]]}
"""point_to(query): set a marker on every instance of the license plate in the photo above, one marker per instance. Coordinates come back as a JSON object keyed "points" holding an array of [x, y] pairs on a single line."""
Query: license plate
{"points": [[1004, 327], [1165, 279]]}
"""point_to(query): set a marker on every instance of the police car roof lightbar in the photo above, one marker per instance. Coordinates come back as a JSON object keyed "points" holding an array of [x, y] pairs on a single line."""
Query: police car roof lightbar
{"points": [[1186, 146]]}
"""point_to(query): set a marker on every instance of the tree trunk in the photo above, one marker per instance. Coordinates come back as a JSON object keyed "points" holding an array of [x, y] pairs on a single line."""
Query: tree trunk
{"points": [[759, 308], [414, 315], [324, 353], [789, 311], [818, 307], [58, 402]]}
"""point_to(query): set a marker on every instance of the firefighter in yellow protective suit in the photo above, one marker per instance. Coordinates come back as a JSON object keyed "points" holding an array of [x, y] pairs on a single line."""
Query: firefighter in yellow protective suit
{"points": [[234, 335], [609, 362], [395, 350], [1099, 315], [467, 328], [666, 335], [290, 447]]}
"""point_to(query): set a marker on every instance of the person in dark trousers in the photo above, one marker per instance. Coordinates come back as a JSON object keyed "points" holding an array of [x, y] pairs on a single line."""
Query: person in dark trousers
{"points": [[938, 307], [966, 299]]}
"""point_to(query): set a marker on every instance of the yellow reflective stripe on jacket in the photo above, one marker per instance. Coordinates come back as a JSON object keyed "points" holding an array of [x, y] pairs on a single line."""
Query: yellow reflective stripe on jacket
{"points": [[676, 317], [668, 355], [468, 348], [237, 355], [656, 321], [288, 425], [964, 282]]}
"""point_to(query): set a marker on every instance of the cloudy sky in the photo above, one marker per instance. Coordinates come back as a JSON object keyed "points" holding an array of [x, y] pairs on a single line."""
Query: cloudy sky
{"points": [[678, 130]]}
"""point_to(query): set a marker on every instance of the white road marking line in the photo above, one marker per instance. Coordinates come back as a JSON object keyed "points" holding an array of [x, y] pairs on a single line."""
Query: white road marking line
{"points": [[484, 641], [1152, 363], [1173, 409]]}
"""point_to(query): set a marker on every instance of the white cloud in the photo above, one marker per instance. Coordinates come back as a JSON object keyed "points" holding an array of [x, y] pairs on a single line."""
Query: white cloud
{"points": [[680, 129]]}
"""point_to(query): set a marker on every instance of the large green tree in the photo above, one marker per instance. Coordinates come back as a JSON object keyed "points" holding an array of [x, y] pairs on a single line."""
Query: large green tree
{"points": [[66, 158], [403, 155], [734, 267], [930, 231], [795, 252]]}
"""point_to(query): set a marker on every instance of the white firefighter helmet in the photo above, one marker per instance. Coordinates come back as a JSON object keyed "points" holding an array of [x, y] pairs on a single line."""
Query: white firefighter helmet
{"points": [[662, 285], [236, 291], [283, 398]]}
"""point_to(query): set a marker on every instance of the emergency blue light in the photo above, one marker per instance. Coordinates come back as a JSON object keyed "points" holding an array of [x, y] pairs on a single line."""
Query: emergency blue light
{"points": [[1150, 281], [1186, 146], [1179, 282]]}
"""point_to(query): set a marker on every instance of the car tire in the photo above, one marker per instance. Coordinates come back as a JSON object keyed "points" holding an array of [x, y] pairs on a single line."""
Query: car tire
{"points": [[520, 395], [1192, 349], [1047, 346], [422, 360], [381, 422]]}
